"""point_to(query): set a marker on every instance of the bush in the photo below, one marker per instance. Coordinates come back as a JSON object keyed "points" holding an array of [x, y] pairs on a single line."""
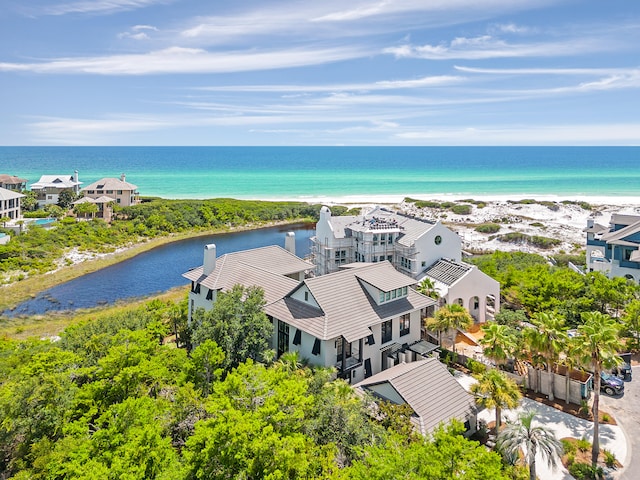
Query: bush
{"points": [[461, 209], [584, 471], [609, 458], [568, 447], [488, 228], [583, 444]]}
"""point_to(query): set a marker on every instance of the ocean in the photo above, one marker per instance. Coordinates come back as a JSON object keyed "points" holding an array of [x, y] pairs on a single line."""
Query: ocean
{"points": [[344, 174]]}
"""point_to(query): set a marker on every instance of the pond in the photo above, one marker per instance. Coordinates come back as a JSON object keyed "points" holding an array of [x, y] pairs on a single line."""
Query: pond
{"points": [[156, 270]]}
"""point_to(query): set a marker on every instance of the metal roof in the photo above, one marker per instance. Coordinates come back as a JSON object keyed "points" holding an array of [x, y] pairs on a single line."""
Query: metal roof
{"points": [[110, 184], [429, 389], [447, 271], [6, 194]]}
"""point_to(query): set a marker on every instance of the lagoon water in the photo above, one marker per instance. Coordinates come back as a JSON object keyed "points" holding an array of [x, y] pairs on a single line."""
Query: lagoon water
{"points": [[342, 173], [156, 270]]}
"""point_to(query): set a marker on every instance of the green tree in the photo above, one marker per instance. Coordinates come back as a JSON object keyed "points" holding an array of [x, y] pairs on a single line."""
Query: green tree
{"points": [[66, 198], [631, 324], [511, 318], [499, 342], [448, 320], [495, 390], [597, 345], [548, 338], [428, 288], [205, 366], [86, 209], [4, 220], [532, 439], [237, 324]]}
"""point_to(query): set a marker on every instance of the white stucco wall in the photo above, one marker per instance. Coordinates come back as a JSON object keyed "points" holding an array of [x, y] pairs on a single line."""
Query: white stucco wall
{"points": [[475, 283]]}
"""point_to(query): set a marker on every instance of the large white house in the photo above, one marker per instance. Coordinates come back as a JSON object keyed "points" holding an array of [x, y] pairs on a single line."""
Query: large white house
{"points": [[416, 247], [361, 320], [10, 204], [49, 187], [410, 244], [614, 250]]}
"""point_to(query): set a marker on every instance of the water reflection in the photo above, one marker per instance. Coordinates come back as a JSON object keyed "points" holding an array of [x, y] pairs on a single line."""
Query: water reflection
{"points": [[155, 271]]}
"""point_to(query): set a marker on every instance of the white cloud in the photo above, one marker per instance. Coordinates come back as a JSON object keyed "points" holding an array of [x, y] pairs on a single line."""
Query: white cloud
{"points": [[179, 60], [486, 46], [547, 71], [511, 28], [137, 32], [576, 134], [99, 6]]}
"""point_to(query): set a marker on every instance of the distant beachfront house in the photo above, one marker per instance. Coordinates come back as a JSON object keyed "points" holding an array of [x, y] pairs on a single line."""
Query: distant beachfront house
{"points": [[615, 249], [10, 182], [10, 204], [103, 207], [49, 187], [119, 190], [466, 285], [361, 320], [415, 247], [427, 387]]}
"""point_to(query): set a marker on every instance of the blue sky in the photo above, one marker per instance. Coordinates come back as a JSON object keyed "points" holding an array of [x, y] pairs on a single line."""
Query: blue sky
{"points": [[244, 72]]}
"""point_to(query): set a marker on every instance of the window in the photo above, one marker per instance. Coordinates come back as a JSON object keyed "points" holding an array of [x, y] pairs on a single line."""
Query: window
{"points": [[388, 295], [405, 324], [438, 240], [390, 258], [119, 192], [109, 192], [283, 337], [390, 238], [90, 191], [404, 291], [375, 239], [405, 263], [394, 293], [210, 295], [383, 238], [387, 331], [306, 296], [316, 347], [297, 338], [381, 297], [347, 349]]}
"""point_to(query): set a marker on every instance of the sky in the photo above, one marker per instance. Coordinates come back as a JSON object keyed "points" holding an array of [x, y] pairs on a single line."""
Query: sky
{"points": [[376, 72]]}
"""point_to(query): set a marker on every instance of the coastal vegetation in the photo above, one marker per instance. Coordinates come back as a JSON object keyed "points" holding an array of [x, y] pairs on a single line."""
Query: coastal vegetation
{"points": [[155, 221], [115, 398]]}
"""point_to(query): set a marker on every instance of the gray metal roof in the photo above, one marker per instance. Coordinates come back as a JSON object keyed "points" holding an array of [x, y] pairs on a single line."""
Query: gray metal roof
{"points": [[618, 235], [624, 219], [384, 279], [6, 194], [346, 309], [265, 267], [429, 389], [447, 271]]}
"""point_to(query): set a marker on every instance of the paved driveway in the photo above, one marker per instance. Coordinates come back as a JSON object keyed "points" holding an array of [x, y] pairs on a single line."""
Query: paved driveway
{"points": [[626, 409]]}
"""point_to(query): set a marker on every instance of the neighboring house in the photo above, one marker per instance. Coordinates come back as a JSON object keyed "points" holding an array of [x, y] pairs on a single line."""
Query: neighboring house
{"points": [[615, 250], [12, 183], [410, 244], [361, 320], [10, 204], [430, 391], [49, 187], [119, 190], [103, 203], [466, 285]]}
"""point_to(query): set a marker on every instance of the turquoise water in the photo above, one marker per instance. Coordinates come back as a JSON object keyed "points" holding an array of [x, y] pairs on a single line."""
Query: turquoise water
{"points": [[311, 173], [44, 221]]}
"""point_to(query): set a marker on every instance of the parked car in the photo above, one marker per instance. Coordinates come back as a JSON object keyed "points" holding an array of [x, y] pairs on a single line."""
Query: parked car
{"points": [[610, 384], [624, 370]]}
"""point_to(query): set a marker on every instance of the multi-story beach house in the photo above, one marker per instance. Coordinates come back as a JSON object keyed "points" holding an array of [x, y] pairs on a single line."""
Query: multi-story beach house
{"points": [[49, 187], [10, 204], [615, 249], [416, 247], [361, 319], [118, 190], [10, 182]]}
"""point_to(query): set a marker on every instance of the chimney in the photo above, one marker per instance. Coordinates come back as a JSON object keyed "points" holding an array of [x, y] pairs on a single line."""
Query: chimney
{"points": [[590, 222], [290, 242], [122, 177], [209, 259]]}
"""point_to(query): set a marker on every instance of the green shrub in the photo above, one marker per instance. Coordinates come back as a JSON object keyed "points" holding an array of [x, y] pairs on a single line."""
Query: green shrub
{"points": [[461, 209], [544, 242], [568, 447], [488, 228], [571, 459], [583, 444], [609, 458], [584, 471]]}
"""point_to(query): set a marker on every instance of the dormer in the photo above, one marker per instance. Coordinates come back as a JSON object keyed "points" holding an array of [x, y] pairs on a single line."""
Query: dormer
{"points": [[384, 285]]}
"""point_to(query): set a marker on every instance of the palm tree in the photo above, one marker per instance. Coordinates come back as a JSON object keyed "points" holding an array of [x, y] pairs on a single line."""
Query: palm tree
{"points": [[548, 339], [428, 288], [532, 439], [495, 390], [450, 318], [499, 342], [596, 345]]}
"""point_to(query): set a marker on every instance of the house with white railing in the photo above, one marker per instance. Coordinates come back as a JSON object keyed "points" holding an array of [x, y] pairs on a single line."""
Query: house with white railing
{"points": [[614, 250]]}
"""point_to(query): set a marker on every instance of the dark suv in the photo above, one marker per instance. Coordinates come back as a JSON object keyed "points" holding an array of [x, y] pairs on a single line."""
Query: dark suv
{"points": [[610, 384]]}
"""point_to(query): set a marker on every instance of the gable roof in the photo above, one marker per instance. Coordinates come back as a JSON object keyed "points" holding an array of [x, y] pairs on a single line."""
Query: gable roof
{"points": [[11, 180], [265, 267], [618, 236], [428, 388], [57, 181], [110, 184], [345, 307], [6, 194]]}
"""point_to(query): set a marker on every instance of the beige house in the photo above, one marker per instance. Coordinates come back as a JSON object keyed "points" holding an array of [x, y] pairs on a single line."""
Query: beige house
{"points": [[430, 391], [10, 204], [10, 182], [118, 190], [361, 320], [49, 187]]}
